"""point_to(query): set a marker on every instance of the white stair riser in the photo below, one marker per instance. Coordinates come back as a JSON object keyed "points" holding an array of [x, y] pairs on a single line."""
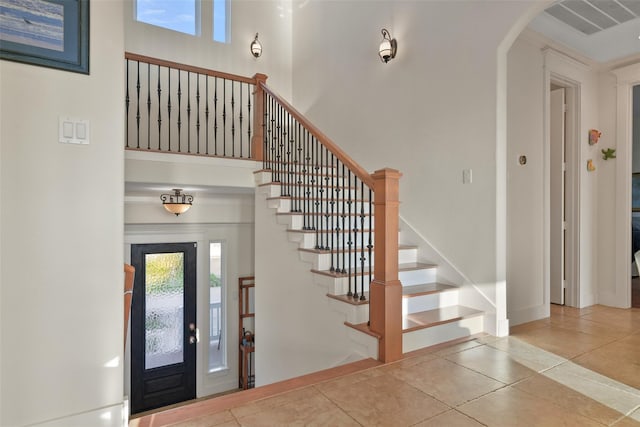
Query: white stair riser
{"points": [[407, 255], [338, 285], [284, 205], [263, 177], [442, 333], [323, 261], [276, 190], [417, 277], [368, 344], [352, 313], [297, 222], [304, 240], [430, 301], [341, 284]]}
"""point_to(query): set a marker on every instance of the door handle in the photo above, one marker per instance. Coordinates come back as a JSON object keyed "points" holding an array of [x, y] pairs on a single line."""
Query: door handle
{"points": [[194, 334]]}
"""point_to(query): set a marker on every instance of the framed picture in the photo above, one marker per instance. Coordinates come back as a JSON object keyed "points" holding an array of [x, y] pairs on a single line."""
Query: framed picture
{"points": [[49, 33], [635, 192]]}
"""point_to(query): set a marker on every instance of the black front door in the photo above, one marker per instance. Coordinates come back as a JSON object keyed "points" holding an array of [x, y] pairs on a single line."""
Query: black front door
{"points": [[163, 325]]}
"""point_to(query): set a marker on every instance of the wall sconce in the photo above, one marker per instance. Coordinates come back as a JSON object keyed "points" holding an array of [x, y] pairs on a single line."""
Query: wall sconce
{"points": [[256, 47], [388, 47], [176, 203]]}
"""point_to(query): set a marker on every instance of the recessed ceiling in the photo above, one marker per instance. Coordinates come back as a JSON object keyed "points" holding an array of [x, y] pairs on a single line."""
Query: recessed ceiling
{"points": [[603, 30]]}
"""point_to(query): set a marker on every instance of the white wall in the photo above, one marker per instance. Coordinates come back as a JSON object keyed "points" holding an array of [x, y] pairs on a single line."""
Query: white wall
{"points": [[270, 18], [606, 235], [526, 296], [61, 226], [431, 112], [297, 331], [528, 283]]}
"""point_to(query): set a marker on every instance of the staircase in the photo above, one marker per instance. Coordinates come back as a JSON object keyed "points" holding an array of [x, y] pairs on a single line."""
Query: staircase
{"points": [[325, 203], [431, 313]]}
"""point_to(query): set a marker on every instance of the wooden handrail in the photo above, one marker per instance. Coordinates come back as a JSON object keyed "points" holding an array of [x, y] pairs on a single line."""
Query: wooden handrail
{"points": [[358, 170], [185, 67]]}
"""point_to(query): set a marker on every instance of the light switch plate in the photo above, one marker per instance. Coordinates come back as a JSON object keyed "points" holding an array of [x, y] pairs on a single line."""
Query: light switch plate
{"points": [[467, 176], [73, 131]]}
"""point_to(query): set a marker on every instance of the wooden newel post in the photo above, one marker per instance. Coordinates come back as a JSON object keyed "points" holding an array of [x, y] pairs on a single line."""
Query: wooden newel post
{"points": [[385, 292], [257, 142]]}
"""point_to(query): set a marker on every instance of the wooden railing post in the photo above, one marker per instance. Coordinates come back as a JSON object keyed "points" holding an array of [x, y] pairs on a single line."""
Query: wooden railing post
{"points": [[257, 142], [385, 292]]}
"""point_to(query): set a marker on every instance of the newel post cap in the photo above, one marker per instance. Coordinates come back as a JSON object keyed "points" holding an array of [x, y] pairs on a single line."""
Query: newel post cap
{"points": [[386, 173]]}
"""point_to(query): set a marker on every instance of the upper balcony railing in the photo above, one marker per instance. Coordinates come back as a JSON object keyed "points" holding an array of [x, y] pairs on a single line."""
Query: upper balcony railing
{"points": [[175, 108], [178, 108]]}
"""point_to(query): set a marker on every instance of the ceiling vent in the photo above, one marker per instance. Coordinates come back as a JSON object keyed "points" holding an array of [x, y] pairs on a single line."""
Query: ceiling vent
{"points": [[592, 16]]}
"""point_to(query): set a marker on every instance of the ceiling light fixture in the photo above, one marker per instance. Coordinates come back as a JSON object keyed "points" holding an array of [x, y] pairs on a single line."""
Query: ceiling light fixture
{"points": [[256, 47], [176, 203], [388, 47]]}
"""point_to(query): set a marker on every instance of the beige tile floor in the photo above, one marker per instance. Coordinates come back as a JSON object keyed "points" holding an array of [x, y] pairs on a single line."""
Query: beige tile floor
{"points": [[576, 368]]}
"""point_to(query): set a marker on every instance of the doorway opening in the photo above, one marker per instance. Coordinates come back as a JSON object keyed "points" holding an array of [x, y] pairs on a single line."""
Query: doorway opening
{"points": [[635, 196], [563, 193]]}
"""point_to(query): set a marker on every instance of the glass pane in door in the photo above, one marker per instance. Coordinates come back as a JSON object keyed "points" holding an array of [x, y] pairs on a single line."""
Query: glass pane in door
{"points": [[164, 308]]}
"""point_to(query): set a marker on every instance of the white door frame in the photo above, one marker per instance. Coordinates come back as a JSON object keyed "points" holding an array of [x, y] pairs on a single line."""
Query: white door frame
{"points": [[560, 69], [627, 77]]}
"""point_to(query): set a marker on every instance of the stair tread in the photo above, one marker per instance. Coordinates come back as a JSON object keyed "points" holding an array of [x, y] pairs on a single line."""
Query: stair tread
{"points": [[409, 266], [324, 231], [425, 289], [439, 316], [338, 214], [350, 299], [358, 249], [314, 185], [315, 199]]}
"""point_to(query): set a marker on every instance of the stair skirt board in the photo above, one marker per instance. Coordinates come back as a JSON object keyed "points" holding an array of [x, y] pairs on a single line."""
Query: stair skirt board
{"points": [[433, 335]]}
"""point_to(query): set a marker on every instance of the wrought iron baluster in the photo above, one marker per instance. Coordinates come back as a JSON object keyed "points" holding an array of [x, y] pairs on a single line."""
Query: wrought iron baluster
{"points": [[148, 106], [179, 112], [188, 111], [159, 111], [362, 248], [138, 108], [198, 114], [268, 133], [318, 200], [370, 246], [126, 106], [307, 190], [323, 198], [281, 161], [233, 121], [169, 108], [344, 215], [206, 115], [300, 176], [289, 144], [240, 121], [350, 241], [249, 145], [331, 186], [224, 117], [215, 116]]}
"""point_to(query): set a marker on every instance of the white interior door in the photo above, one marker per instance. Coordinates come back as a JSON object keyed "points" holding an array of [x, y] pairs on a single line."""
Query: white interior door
{"points": [[558, 180]]}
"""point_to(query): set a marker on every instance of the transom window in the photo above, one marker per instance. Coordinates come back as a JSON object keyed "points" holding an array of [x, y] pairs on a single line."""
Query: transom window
{"points": [[185, 16], [176, 15]]}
